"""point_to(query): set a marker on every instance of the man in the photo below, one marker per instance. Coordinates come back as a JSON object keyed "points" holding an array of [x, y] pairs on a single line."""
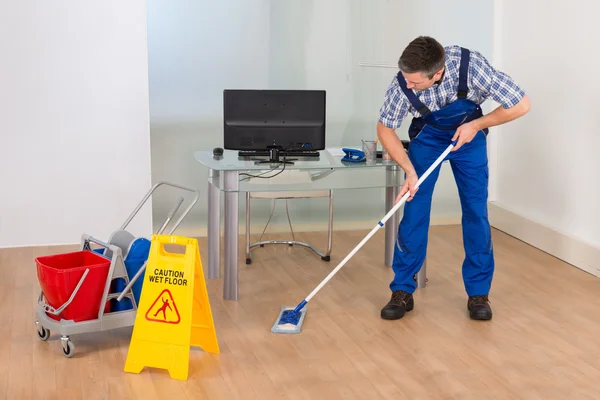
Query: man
{"points": [[443, 89]]}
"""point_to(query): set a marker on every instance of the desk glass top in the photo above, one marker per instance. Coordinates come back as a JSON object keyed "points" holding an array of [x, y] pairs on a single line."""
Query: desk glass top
{"points": [[231, 162], [326, 172]]}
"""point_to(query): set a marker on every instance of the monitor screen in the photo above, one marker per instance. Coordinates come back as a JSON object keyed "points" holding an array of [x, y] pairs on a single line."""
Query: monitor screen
{"points": [[283, 119]]}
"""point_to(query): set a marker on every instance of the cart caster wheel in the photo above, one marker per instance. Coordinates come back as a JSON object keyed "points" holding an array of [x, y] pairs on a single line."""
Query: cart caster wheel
{"points": [[248, 261], [68, 347], [326, 258], [43, 334]]}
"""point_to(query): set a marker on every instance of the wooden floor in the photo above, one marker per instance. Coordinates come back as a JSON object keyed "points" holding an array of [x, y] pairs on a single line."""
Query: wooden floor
{"points": [[543, 342]]}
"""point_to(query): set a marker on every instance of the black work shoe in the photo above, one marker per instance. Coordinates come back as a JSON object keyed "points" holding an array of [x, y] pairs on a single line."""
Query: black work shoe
{"points": [[479, 308], [400, 303]]}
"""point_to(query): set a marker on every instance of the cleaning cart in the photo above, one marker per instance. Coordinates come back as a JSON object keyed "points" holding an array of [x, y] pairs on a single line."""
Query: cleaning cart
{"points": [[91, 290]]}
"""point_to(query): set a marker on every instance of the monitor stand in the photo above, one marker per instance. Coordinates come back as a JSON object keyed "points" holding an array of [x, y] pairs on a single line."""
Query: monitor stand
{"points": [[275, 157]]}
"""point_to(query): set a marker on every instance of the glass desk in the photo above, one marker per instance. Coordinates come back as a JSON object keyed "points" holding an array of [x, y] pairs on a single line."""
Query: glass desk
{"points": [[229, 175]]}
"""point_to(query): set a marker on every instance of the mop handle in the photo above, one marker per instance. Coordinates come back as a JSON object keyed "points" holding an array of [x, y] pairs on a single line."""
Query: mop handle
{"points": [[379, 225]]}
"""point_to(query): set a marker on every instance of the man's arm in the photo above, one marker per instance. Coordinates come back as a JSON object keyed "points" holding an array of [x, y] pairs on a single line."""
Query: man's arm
{"points": [[391, 114], [394, 109], [503, 115], [392, 143], [466, 132], [498, 86]]}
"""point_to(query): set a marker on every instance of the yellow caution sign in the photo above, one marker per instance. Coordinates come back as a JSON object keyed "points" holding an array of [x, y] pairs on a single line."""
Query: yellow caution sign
{"points": [[174, 311]]}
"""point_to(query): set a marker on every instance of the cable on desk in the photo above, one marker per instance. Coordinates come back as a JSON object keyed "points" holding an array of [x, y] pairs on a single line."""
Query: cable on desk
{"points": [[261, 174], [271, 170]]}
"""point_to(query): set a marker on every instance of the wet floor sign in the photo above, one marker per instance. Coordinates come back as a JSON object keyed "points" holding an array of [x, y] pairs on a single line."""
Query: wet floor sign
{"points": [[174, 311]]}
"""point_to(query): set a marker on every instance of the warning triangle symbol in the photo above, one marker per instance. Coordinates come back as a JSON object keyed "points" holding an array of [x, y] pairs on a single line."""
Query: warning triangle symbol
{"points": [[164, 309]]}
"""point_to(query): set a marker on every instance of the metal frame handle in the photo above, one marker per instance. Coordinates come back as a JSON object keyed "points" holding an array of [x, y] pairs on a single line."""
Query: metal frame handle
{"points": [[170, 215], [87, 238], [162, 228], [132, 281], [147, 196]]}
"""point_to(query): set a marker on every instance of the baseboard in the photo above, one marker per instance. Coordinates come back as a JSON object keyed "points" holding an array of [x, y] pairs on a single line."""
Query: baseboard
{"points": [[560, 245]]}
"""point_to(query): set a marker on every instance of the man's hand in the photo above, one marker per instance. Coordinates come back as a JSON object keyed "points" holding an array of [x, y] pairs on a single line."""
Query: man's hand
{"points": [[410, 184], [464, 134]]}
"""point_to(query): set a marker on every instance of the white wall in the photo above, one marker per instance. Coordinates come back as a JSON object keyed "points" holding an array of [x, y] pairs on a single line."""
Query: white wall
{"points": [[74, 123], [197, 48], [547, 161]]}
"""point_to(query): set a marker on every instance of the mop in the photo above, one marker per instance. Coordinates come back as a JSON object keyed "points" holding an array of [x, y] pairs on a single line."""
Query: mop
{"points": [[290, 319]]}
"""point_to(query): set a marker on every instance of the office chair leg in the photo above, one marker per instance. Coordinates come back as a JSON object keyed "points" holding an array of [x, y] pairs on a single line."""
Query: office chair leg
{"points": [[248, 258], [268, 221], [289, 221]]}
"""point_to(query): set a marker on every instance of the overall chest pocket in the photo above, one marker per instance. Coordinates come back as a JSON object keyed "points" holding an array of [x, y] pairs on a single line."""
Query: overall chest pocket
{"points": [[450, 120]]}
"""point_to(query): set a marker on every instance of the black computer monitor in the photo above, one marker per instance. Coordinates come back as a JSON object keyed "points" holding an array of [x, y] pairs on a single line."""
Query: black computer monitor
{"points": [[274, 123]]}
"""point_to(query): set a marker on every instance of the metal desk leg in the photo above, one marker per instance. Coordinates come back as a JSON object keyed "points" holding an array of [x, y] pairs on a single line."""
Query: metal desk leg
{"points": [[214, 227], [392, 176], [231, 184], [421, 277]]}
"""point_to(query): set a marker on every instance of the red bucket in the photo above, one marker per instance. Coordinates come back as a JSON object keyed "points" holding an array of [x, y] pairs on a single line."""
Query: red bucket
{"points": [[59, 275]]}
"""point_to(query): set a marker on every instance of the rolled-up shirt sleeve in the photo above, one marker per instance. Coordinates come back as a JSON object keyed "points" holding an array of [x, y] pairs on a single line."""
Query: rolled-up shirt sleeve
{"points": [[494, 84], [395, 106]]}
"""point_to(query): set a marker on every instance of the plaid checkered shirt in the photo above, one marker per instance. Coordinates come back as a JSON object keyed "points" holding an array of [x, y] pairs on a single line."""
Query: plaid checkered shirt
{"points": [[484, 83]]}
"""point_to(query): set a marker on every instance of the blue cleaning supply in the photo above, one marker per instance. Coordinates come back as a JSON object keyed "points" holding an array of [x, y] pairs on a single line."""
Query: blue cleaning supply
{"points": [[136, 257], [289, 320], [353, 155]]}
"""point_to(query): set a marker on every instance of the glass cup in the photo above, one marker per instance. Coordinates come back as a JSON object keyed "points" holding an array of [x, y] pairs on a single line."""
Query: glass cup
{"points": [[370, 150]]}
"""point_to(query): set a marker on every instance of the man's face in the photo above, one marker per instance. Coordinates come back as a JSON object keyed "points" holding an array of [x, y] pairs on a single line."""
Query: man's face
{"points": [[419, 81]]}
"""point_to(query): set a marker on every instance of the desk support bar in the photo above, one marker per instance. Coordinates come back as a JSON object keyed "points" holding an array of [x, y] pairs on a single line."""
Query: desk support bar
{"points": [[393, 184], [214, 226], [230, 284]]}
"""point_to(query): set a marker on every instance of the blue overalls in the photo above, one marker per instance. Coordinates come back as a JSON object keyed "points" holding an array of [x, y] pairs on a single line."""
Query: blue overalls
{"points": [[429, 136]]}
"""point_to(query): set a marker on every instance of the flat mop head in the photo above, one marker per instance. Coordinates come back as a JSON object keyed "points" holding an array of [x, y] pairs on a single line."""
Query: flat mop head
{"points": [[289, 320]]}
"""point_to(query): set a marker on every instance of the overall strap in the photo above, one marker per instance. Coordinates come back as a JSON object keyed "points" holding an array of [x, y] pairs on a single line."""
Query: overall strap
{"points": [[463, 88], [412, 97]]}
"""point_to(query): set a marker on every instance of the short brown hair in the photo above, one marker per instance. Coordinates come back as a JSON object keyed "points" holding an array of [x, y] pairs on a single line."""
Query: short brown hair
{"points": [[424, 54]]}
